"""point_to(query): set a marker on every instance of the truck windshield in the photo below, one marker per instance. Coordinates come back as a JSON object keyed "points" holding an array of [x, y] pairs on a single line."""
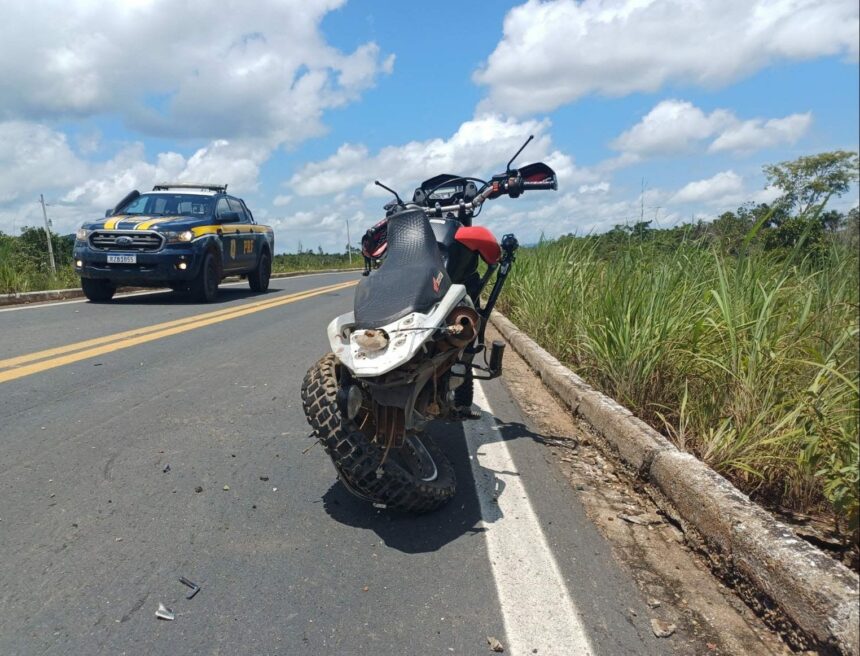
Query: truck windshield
{"points": [[170, 205]]}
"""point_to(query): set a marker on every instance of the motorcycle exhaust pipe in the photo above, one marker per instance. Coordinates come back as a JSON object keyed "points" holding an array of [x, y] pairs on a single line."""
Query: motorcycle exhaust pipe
{"points": [[462, 326]]}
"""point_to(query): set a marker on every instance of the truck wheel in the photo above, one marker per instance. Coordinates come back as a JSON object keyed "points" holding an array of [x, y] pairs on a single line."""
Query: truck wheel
{"points": [[98, 290], [258, 279], [204, 287], [416, 478]]}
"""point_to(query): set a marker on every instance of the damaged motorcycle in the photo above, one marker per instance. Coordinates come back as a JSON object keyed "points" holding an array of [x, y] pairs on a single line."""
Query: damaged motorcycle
{"points": [[413, 345]]}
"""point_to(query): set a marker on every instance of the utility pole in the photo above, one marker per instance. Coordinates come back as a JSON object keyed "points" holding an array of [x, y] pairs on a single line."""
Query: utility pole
{"points": [[48, 233], [348, 243]]}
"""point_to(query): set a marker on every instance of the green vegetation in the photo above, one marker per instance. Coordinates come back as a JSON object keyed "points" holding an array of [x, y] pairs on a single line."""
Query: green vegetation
{"points": [[24, 263], [314, 261], [738, 339]]}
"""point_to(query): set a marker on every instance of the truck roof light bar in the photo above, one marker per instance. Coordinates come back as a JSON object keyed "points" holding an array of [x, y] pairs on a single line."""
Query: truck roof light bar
{"points": [[165, 186]]}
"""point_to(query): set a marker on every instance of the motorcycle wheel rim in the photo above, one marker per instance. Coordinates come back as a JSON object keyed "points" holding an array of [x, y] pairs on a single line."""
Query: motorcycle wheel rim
{"points": [[425, 462]]}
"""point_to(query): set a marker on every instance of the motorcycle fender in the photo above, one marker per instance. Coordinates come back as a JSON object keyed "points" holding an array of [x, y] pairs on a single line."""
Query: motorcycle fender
{"points": [[406, 336]]}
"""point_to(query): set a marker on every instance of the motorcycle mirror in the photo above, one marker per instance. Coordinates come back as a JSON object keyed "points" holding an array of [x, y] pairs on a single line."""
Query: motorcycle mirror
{"points": [[517, 154], [379, 184]]}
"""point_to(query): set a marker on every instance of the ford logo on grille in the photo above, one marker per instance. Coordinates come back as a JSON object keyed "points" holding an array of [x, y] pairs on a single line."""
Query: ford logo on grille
{"points": [[124, 241]]}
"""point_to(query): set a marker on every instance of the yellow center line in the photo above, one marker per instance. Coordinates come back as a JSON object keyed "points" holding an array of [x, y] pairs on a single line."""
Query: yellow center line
{"points": [[122, 342], [59, 350]]}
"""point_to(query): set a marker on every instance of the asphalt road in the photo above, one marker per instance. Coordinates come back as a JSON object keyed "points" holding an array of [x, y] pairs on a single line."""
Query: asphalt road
{"points": [[95, 529]]}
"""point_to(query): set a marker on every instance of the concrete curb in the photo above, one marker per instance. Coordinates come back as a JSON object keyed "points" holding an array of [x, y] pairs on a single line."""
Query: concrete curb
{"points": [[816, 592], [63, 294]]}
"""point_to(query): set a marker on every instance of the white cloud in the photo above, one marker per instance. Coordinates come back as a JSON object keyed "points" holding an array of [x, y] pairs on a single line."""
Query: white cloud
{"points": [[672, 126], [597, 188], [676, 126], [281, 200], [206, 69], [716, 188], [756, 134], [554, 52], [35, 158], [236, 164], [480, 146]]}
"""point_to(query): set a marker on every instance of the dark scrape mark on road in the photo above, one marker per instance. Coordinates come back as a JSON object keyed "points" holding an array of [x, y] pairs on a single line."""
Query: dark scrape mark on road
{"points": [[137, 606]]}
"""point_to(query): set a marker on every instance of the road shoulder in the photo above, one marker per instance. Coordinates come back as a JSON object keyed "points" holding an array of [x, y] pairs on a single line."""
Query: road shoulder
{"points": [[678, 587]]}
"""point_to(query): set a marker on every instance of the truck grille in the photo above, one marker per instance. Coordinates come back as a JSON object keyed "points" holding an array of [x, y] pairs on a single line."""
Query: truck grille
{"points": [[129, 240]]}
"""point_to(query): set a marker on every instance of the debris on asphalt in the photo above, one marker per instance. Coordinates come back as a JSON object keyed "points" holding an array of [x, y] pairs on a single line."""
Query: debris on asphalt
{"points": [[166, 469], [662, 629], [198, 489], [164, 613], [117, 539], [274, 489], [365, 589], [194, 587], [264, 478], [226, 488], [313, 444], [653, 603], [495, 645]]}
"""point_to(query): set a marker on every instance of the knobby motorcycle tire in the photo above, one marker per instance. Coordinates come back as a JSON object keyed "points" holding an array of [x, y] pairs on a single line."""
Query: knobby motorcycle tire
{"points": [[356, 458]]}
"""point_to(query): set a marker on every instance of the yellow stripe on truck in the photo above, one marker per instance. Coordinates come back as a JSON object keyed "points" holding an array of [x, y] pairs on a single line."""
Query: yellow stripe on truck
{"points": [[146, 225], [230, 229]]}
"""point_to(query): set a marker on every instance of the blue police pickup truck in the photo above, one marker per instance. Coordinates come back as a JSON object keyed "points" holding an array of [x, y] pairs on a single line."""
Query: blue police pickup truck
{"points": [[188, 237]]}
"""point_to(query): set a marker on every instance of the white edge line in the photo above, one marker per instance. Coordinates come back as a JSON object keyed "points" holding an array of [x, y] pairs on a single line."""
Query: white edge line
{"points": [[538, 610]]}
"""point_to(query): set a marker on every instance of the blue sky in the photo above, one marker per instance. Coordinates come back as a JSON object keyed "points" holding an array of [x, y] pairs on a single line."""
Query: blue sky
{"points": [[301, 105]]}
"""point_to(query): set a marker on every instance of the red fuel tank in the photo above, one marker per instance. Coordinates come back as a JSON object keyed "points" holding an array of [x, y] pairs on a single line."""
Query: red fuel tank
{"points": [[480, 239]]}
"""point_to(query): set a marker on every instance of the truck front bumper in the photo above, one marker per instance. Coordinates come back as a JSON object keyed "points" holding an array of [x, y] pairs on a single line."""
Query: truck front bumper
{"points": [[152, 269]]}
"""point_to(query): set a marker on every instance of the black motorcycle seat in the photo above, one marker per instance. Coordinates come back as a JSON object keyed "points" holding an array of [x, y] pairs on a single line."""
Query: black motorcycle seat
{"points": [[412, 278]]}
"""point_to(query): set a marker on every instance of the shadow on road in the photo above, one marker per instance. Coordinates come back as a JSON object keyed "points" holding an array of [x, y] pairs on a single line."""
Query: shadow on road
{"points": [[461, 517]]}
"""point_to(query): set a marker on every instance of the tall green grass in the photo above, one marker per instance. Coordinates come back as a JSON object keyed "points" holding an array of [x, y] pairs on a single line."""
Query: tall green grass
{"points": [[750, 362], [20, 273]]}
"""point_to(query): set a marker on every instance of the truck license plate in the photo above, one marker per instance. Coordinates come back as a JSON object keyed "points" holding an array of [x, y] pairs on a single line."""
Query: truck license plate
{"points": [[122, 259]]}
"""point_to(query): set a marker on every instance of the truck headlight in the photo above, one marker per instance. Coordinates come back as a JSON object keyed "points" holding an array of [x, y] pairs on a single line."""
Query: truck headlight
{"points": [[82, 234], [172, 237]]}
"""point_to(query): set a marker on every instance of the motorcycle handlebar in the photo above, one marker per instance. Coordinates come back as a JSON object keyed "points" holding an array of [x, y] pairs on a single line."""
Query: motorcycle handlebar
{"points": [[514, 190]]}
